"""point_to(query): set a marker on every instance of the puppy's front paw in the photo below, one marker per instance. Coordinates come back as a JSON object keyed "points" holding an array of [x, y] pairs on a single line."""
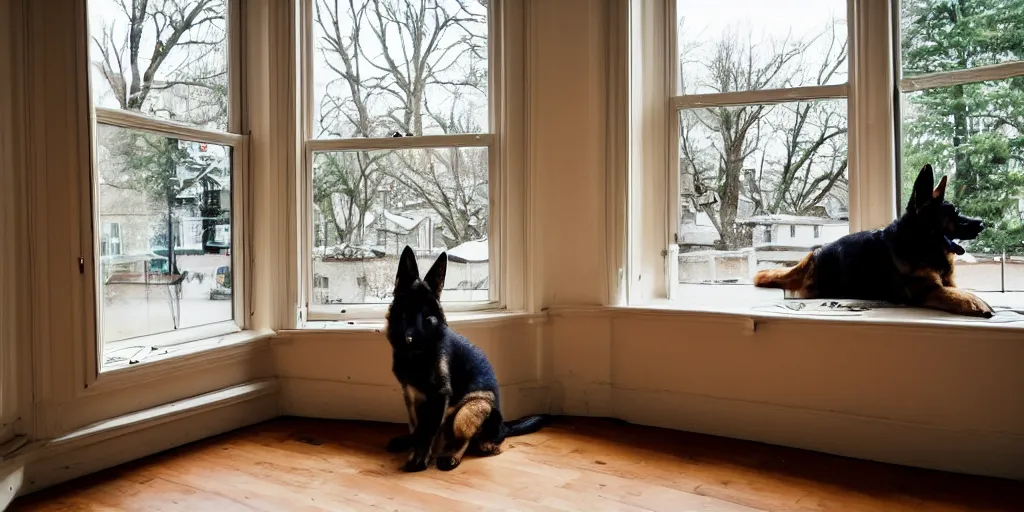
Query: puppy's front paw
{"points": [[447, 463], [400, 444], [416, 462]]}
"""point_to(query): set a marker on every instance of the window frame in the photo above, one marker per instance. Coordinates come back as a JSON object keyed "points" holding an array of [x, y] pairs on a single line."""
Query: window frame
{"points": [[504, 22], [655, 102], [97, 374]]}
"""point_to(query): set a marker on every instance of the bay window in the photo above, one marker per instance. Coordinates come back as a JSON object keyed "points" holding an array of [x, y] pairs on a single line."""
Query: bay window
{"points": [[794, 123]]}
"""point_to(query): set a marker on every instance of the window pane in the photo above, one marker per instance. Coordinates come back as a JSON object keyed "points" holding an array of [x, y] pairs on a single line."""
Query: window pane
{"points": [[177, 66], [757, 183], [368, 205], [165, 233], [940, 35], [394, 66], [973, 133], [748, 45]]}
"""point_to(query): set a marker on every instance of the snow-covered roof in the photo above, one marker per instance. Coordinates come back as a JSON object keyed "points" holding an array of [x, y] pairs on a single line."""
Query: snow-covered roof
{"points": [[406, 223], [473, 251], [785, 219]]}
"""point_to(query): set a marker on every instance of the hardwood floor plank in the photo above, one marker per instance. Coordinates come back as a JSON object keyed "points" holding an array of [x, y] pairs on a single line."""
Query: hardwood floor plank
{"points": [[574, 464]]}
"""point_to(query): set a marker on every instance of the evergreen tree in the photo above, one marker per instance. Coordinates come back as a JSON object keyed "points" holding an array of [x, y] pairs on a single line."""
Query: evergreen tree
{"points": [[972, 131]]}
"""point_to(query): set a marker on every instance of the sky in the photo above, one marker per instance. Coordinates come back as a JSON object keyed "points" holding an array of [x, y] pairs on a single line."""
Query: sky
{"points": [[764, 20]]}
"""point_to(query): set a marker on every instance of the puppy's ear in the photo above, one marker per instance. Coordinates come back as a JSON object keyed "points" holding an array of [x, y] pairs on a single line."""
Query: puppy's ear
{"points": [[923, 185], [408, 272], [939, 194], [435, 276]]}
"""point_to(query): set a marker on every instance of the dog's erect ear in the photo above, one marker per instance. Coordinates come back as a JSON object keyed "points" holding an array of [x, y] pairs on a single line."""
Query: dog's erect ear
{"points": [[939, 194], [922, 188], [408, 272], [435, 276]]}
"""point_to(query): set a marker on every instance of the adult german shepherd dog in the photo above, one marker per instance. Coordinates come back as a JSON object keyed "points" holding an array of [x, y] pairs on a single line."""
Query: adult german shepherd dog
{"points": [[451, 392], [908, 262]]}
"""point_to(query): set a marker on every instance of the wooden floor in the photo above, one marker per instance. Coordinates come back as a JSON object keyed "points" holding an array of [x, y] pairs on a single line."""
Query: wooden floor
{"points": [[574, 464]]}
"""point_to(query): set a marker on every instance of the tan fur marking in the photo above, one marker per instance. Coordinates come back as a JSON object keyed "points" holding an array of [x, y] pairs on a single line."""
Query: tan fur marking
{"points": [[442, 368], [413, 397], [469, 417], [798, 279], [488, 448], [947, 280], [956, 301], [466, 423]]}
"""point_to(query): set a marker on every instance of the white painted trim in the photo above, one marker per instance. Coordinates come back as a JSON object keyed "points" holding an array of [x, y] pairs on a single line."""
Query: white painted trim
{"points": [[471, 140], [649, 182], [962, 76], [760, 97], [208, 352], [136, 121], [871, 137], [617, 157], [376, 311], [376, 326], [132, 436]]}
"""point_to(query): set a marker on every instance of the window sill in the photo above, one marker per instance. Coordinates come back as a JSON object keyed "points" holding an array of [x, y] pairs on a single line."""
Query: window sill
{"points": [[758, 303], [172, 360], [456, 320]]}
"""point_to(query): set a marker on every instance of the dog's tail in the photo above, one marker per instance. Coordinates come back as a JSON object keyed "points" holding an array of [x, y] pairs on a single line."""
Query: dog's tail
{"points": [[794, 278], [527, 425]]}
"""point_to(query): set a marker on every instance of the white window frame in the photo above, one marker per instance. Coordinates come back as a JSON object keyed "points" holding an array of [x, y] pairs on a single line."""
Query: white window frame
{"points": [[95, 372], [654, 103], [504, 21]]}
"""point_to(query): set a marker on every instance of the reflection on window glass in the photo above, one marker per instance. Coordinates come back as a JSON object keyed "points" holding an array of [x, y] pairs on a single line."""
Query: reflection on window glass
{"points": [[973, 133], [942, 35], [368, 205], [165, 237], [759, 186], [396, 66], [749, 45], [164, 58]]}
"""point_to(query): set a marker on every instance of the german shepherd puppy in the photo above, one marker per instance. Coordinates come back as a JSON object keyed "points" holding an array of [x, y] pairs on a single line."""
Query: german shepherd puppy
{"points": [[908, 262], [451, 392]]}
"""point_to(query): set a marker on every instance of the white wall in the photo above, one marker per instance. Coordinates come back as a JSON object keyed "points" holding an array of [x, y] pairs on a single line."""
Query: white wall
{"points": [[804, 235]]}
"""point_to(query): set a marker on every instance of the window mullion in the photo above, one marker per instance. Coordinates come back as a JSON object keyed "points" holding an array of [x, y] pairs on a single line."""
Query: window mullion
{"points": [[871, 113]]}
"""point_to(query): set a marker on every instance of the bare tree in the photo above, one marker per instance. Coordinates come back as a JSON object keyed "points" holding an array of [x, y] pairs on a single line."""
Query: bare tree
{"points": [[716, 143], [183, 42], [402, 68], [190, 31]]}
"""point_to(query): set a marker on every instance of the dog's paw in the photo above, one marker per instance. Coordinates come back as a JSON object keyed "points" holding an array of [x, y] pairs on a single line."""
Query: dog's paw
{"points": [[416, 462], [400, 444], [979, 308], [447, 463]]}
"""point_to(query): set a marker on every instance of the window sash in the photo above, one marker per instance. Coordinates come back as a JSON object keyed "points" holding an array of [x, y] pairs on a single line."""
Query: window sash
{"points": [[869, 92], [96, 347], [101, 239], [311, 145]]}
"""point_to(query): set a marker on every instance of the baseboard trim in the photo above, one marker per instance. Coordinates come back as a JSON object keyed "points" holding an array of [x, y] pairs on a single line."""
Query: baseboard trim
{"points": [[132, 436]]}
